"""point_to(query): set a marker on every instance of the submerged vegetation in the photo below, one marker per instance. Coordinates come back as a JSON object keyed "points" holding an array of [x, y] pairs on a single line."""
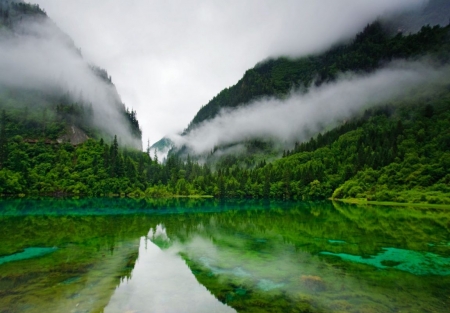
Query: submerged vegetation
{"points": [[253, 256], [229, 234]]}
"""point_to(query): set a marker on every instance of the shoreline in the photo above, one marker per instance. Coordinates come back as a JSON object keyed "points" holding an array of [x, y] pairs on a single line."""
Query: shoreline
{"points": [[357, 201], [392, 203]]}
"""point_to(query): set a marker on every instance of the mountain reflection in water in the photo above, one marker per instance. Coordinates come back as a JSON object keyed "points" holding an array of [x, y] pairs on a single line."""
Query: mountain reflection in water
{"points": [[124, 255], [162, 282]]}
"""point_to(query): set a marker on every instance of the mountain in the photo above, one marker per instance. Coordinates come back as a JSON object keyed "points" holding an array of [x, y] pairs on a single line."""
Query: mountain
{"points": [[396, 149], [48, 91], [432, 12], [393, 144], [367, 52], [162, 147], [374, 48], [63, 127], [392, 148], [399, 151], [370, 49]]}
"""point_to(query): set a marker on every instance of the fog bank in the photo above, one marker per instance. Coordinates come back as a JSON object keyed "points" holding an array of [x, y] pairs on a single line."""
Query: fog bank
{"points": [[169, 58], [304, 114], [36, 55]]}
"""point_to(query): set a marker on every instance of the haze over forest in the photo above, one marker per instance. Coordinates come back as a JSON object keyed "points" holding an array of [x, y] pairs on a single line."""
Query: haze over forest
{"points": [[248, 156], [321, 107], [168, 60], [302, 114], [35, 55]]}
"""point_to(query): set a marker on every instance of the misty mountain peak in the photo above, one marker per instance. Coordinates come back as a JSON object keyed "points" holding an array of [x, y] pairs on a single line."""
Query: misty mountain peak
{"points": [[40, 59]]}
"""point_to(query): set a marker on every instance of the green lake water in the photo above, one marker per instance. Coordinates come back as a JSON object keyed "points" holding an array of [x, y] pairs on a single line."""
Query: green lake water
{"points": [[204, 255]]}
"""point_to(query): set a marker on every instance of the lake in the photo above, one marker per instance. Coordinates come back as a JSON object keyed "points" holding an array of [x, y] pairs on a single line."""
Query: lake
{"points": [[205, 255]]}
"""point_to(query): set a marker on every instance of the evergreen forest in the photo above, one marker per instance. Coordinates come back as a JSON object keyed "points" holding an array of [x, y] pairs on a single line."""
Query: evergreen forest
{"points": [[397, 151]]}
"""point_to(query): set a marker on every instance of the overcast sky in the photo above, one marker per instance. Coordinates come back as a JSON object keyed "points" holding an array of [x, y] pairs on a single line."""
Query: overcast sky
{"points": [[168, 58]]}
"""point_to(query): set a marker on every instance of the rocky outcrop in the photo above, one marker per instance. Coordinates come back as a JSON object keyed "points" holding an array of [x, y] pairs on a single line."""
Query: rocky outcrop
{"points": [[73, 135]]}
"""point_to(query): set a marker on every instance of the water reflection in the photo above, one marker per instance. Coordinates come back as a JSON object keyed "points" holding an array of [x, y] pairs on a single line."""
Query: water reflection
{"points": [[414, 262], [64, 263], [121, 255], [162, 282]]}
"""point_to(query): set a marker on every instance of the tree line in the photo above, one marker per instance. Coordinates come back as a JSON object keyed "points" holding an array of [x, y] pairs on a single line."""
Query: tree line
{"points": [[397, 152]]}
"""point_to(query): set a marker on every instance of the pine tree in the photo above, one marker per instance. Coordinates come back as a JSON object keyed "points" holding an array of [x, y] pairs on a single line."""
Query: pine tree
{"points": [[3, 140], [155, 157], [114, 158]]}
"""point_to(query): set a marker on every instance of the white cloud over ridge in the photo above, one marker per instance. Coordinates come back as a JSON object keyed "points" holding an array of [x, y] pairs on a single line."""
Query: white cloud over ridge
{"points": [[303, 114], [38, 56], [168, 58]]}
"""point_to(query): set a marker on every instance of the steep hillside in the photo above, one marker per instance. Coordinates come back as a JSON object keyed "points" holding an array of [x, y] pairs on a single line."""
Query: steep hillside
{"points": [[401, 36], [63, 126], [432, 12], [397, 152], [48, 91], [368, 51], [372, 49], [407, 36]]}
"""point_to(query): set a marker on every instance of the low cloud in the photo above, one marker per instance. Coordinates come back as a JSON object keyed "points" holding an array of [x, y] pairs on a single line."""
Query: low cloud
{"points": [[304, 114], [36, 55], [168, 59]]}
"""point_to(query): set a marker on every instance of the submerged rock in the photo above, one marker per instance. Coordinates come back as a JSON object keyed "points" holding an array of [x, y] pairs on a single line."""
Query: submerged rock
{"points": [[313, 283], [267, 285]]}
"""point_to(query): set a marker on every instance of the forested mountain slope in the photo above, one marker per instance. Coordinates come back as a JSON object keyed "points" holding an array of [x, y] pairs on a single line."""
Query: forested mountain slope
{"points": [[61, 118], [370, 49], [48, 91], [393, 37], [432, 12], [397, 152]]}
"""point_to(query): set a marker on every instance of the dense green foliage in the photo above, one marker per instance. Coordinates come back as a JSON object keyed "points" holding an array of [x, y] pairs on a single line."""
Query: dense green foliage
{"points": [[397, 152], [50, 168]]}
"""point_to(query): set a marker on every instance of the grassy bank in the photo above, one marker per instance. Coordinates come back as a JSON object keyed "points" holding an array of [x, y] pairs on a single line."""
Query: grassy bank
{"points": [[363, 201]]}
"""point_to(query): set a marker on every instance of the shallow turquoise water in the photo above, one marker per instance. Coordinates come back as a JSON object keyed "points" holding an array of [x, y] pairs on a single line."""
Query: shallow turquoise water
{"points": [[414, 262], [122, 255], [27, 253]]}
